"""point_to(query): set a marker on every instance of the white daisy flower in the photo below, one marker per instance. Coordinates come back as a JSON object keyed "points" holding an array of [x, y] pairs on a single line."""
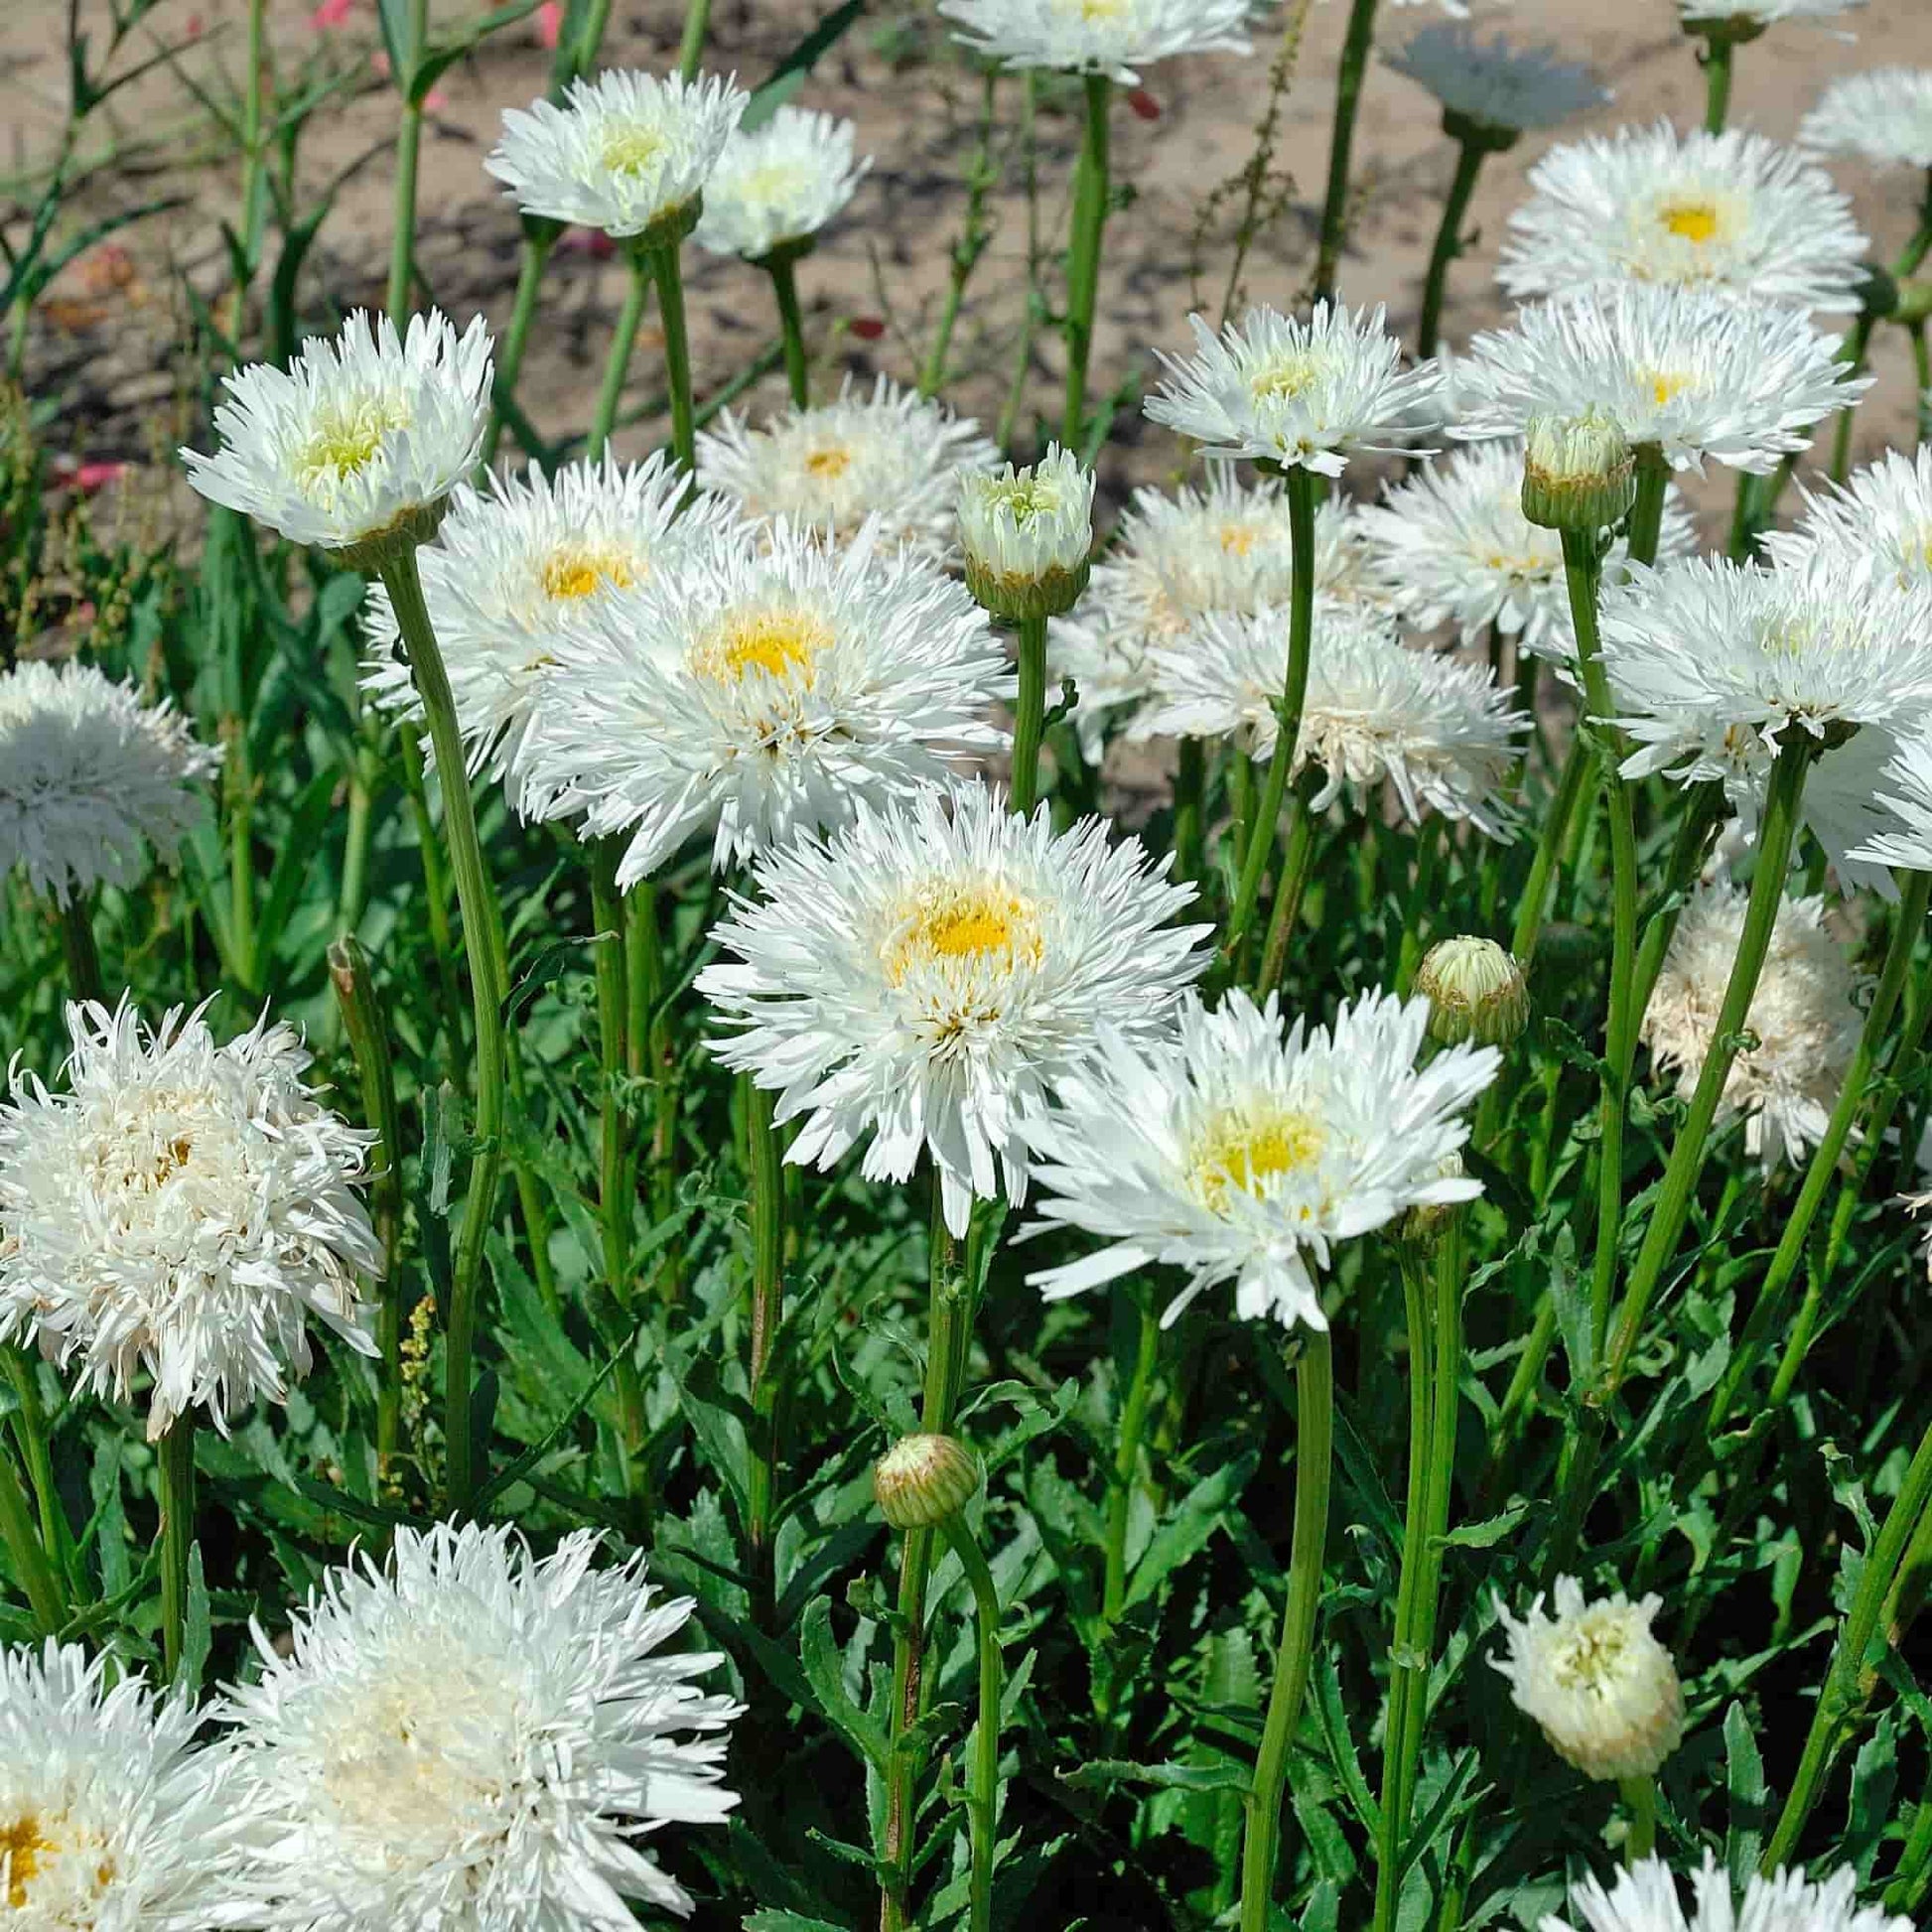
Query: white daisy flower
{"points": [[1116, 38], [1025, 534], [626, 153], [91, 779], [1493, 84], [1299, 393], [930, 974], [1760, 14], [110, 1819], [474, 1737], [1440, 731], [1883, 517], [780, 185], [1804, 1016], [1686, 370], [1882, 115], [759, 695], [893, 454], [182, 1207], [1903, 798], [1240, 1150], [1454, 548], [1601, 1686], [1729, 212], [360, 440], [513, 565], [1644, 1898]]}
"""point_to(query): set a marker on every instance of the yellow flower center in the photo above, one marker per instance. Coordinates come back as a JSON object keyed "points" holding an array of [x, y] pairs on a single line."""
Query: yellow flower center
{"points": [[1282, 381], [1238, 539], [1248, 1150], [970, 922], [22, 1847], [1026, 500], [345, 440], [1692, 222], [631, 150], [1590, 1659], [1664, 386], [778, 640], [830, 463], [574, 572], [1095, 9]]}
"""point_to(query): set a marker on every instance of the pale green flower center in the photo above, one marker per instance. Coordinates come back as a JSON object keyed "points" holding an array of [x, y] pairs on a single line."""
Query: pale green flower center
{"points": [[1026, 498], [1248, 1149], [346, 438], [1592, 1655], [631, 150], [776, 180], [1290, 376]]}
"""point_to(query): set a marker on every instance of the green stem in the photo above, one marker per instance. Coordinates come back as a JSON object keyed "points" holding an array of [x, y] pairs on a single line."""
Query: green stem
{"points": [[1127, 1458], [539, 237], [1647, 512], [252, 173], [175, 1485], [1022, 352], [1259, 833], [1092, 189], [1703, 814], [409, 138], [1417, 912], [475, 899], [436, 897], [1776, 831], [1922, 378], [618, 363], [30, 1429], [1715, 62], [690, 51], [768, 1310], [358, 832], [973, 236], [1839, 1692], [79, 950], [1030, 710], [1449, 242], [1640, 1795], [1348, 93], [779, 265], [650, 1049], [1907, 1888], [983, 1786], [1313, 1451], [1189, 788], [239, 794], [1851, 351], [1534, 901], [31, 1569], [677, 354], [1287, 894]]}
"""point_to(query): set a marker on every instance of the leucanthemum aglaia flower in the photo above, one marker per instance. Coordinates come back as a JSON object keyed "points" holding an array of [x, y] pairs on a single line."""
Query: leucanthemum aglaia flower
{"points": [[1601, 1686], [471, 1735], [893, 454], [1498, 87], [1729, 212], [1440, 732], [628, 153], [777, 186], [1243, 1149], [1759, 14], [1298, 394], [1454, 547], [183, 1207], [757, 695], [518, 561], [933, 972], [1882, 516], [1804, 1016], [1687, 371], [1025, 534], [1882, 115], [1902, 835], [1116, 38], [110, 1820], [360, 439], [1644, 1898], [91, 779]]}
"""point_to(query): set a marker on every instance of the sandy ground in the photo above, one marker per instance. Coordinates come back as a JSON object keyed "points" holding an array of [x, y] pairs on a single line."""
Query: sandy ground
{"points": [[107, 349]]}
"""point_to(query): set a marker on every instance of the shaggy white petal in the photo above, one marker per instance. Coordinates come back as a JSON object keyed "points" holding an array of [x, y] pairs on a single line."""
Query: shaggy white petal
{"points": [[1109, 37], [1244, 1150], [1494, 82], [1731, 212], [183, 1207], [780, 183], [473, 1737], [1882, 516], [1883, 115], [358, 436], [1765, 13], [937, 969], [91, 779], [1902, 833], [1644, 1898]]}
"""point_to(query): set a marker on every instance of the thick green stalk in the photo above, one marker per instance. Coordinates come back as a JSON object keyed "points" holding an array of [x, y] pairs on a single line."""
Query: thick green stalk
{"points": [[780, 265], [1922, 378], [1257, 835], [1287, 894], [1341, 141], [1715, 62], [79, 950], [1857, 340], [174, 1464], [1534, 901], [1673, 1204], [539, 237], [983, 1782], [1029, 714], [1839, 1692], [475, 899], [1190, 792], [1449, 242], [677, 354], [1907, 1891], [31, 1569], [768, 1310], [359, 832], [1092, 189], [1647, 512], [618, 363], [436, 897], [1314, 1454], [1417, 909], [30, 1431], [697, 19], [1640, 1796], [409, 138], [1127, 1458]]}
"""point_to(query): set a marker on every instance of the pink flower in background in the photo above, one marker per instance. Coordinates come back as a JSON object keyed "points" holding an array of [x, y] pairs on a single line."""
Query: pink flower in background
{"points": [[550, 24], [331, 15], [1144, 104], [593, 242], [84, 479], [868, 329]]}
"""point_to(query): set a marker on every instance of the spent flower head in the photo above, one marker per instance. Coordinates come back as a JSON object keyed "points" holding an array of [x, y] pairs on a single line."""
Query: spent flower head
{"points": [[780, 185]]}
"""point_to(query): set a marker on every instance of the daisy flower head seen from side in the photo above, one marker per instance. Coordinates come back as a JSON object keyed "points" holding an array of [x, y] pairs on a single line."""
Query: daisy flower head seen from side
{"points": [[1439, 731], [777, 186], [935, 972], [1731, 212], [1881, 516], [1244, 1147], [109, 1817], [1686, 371], [1311, 393], [628, 153], [1493, 89], [183, 1207], [1882, 115], [470, 1734], [758, 694], [522, 559], [357, 443], [893, 455], [1114, 37], [1644, 1898], [91, 779]]}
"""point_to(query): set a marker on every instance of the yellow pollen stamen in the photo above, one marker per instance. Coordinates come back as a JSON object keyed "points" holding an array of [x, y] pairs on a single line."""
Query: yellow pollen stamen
{"points": [[22, 1845], [967, 923], [573, 573], [1591, 1656], [1285, 380], [1692, 222], [1238, 539], [828, 465], [778, 640], [631, 150], [1664, 386], [1246, 1151]]}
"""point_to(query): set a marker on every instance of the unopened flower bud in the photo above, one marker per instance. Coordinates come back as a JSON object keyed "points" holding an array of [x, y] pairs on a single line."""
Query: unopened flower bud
{"points": [[1578, 472], [922, 1481], [1027, 534], [1475, 991]]}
